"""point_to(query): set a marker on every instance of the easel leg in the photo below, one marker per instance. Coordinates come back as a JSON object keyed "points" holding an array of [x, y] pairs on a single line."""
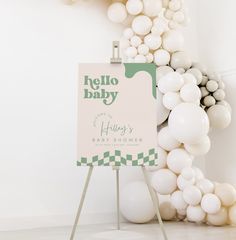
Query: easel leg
{"points": [[81, 202], [155, 201], [118, 197]]}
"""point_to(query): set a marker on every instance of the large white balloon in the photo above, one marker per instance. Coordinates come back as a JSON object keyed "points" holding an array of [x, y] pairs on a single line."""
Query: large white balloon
{"points": [[219, 116], [164, 181], [166, 140], [171, 100], [178, 159], [173, 41], [195, 214], [200, 148], [171, 82], [192, 195], [188, 123], [162, 111], [190, 92], [210, 203], [136, 203], [218, 219]]}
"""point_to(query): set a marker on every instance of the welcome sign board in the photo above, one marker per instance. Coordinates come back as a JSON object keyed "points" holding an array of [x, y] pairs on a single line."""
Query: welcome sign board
{"points": [[117, 115]]}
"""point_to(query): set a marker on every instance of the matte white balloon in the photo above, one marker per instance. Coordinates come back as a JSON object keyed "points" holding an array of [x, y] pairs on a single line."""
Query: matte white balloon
{"points": [[219, 116], [232, 215], [162, 71], [162, 111], [192, 195], [131, 52], [171, 82], [161, 57], [178, 159], [174, 5], [197, 74], [205, 185], [167, 211], [219, 95], [149, 57], [189, 78], [142, 25], [195, 214], [164, 181], [218, 219], [210, 203], [180, 60], [143, 49], [204, 92], [200, 148], [124, 43], [168, 14], [136, 204], [225, 104], [134, 7], [179, 17], [182, 183], [128, 33], [198, 173], [135, 41], [209, 101], [171, 100], [152, 41], [166, 140], [190, 92], [177, 200], [152, 7], [180, 70], [226, 193], [212, 86], [173, 41], [162, 156], [188, 173], [204, 81], [188, 123], [140, 59], [117, 12], [201, 67]]}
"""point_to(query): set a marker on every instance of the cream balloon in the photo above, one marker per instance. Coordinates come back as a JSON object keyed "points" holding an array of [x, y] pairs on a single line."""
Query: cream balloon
{"points": [[162, 111], [197, 74], [162, 71], [134, 7], [218, 219], [183, 183], [180, 60], [188, 123], [152, 7], [210, 203], [189, 78], [161, 57], [192, 195], [226, 193], [190, 92], [171, 100], [142, 25], [167, 211], [117, 12], [177, 200], [188, 173], [232, 214], [172, 41], [195, 214], [205, 185], [136, 204]]}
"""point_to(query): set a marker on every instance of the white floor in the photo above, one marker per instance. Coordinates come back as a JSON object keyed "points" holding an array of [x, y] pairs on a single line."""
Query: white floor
{"points": [[175, 231]]}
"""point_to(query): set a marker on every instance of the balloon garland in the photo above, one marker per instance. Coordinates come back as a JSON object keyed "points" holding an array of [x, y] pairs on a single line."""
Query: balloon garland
{"points": [[190, 101]]}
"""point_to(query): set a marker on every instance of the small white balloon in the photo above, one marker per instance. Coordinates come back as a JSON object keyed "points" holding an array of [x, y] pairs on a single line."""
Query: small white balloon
{"points": [[134, 7], [149, 57], [218, 219], [190, 92], [177, 200], [117, 12], [136, 204], [167, 211], [142, 25], [140, 59], [171, 82], [128, 33], [188, 123], [164, 181], [131, 52], [209, 101], [210, 203], [204, 80], [152, 7], [200, 148], [162, 111], [135, 41], [197, 74], [188, 173], [178, 159], [219, 95], [166, 141], [189, 78], [152, 41], [179, 17], [173, 41], [183, 183], [219, 116], [192, 195], [161, 57], [204, 92], [195, 214], [143, 49], [171, 100], [226, 193], [169, 14], [162, 71], [174, 5], [232, 215], [205, 185], [180, 60], [212, 86]]}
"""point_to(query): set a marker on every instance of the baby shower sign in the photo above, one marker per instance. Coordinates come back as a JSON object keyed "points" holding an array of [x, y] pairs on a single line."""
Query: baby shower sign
{"points": [[117, 115]]}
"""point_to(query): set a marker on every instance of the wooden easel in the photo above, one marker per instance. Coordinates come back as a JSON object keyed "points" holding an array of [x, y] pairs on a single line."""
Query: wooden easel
{"points": [[117, 60]]}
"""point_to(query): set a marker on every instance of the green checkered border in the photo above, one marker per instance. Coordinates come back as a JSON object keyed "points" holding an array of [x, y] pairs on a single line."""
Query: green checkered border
{"points": [[117, 159]]}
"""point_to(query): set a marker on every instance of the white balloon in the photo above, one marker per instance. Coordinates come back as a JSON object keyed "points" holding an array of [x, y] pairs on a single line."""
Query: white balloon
{"points": [[212, 86], [140, 59], [201, 67], [152, 41], [190, 92], [232, 214], [162, 71], [143, 49], [177, 200], [219, 116], [188, 173], [152, 7], [225, 104], [180, 60], [171, 82], [178, 159], [218, 219], [162, 112], [200, 148], [166, 141], [197, 74], [174, 5], [183, 183], [205, 185], [226, 193], [210, 203], [179, 17], [167, 211], [149, 57], [134, 7], [161, 57], [164, 181], [219, 94], [171, 100], [198, 173], [136, 203], [209, 101], [128, 33], [188, 123], [195, 214], [135, 41], [131, 52], [142, 25], [204, 92], [189, 78], [117, 12], [124, 43], [192, 195], [173, 41]]}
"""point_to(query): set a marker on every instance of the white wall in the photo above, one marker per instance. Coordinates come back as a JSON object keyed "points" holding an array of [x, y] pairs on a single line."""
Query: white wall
{"points": [[41, 44]]}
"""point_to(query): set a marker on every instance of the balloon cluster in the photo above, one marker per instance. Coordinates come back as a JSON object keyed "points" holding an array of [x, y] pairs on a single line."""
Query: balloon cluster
{"points": [[190, 101]]}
